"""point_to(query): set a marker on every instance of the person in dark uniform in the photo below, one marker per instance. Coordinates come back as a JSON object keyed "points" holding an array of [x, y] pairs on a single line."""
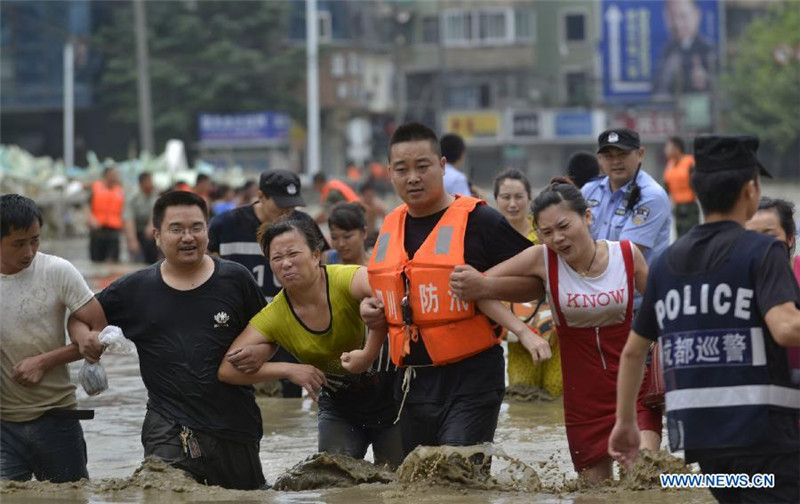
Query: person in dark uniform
{"points": [[723, 304]]}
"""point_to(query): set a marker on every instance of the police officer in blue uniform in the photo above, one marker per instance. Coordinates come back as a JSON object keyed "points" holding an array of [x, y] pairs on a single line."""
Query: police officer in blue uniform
{"points": [[627, 203], [723, 304]]}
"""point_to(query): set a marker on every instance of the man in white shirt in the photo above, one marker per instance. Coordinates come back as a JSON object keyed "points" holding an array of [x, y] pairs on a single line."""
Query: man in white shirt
{"points": [[41, 434], [454, 150]]}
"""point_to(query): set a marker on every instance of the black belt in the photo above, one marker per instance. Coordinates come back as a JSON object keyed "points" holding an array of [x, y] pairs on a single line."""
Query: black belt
{"points": [[76, 414]]}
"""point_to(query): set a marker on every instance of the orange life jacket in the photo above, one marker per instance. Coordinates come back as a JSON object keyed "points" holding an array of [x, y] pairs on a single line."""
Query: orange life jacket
{"points": [[337, 185], [416, 293], [107, 205], [677, 176]]}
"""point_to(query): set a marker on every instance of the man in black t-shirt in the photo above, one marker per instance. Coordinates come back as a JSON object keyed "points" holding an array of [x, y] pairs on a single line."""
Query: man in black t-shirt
{"points": [[722, 303], [455, 404], [182, 314], [233, 236]]}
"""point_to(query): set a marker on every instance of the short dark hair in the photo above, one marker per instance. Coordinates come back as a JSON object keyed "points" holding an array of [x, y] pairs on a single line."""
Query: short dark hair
{"points": [[453, 147], [268, 232], [348, 216], [176, 198], [368, 185], [320, 177], [202, 177], [513, 174], [582, 167], [785, 211], [560, 190], [678, 142], [414, 132], [17, 213], [144, 176], [718, 191]]}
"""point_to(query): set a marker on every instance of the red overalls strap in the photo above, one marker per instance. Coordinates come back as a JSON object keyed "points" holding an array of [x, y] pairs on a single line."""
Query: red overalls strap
{"points": [[552, 278], [627, 256]]}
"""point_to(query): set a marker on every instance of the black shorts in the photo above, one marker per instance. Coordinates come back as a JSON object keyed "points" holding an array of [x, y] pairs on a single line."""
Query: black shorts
{"points": [[221, 462], [104, 245], [462, 421], [785, 467]]}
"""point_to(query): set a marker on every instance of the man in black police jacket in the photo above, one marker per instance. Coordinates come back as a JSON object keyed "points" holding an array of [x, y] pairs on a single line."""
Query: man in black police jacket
{"points": [[723, 304]]}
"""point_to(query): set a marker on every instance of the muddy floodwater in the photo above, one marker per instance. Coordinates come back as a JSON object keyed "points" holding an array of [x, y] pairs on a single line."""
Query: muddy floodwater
{"points": [[530, 439]]}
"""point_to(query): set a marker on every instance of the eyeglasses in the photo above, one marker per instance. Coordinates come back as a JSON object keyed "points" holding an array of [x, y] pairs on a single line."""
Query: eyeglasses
{"points": [[614, 156], [180, 231]]}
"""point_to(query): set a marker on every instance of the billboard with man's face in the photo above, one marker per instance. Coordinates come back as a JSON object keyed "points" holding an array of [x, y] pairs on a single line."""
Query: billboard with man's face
{"points": [[658, 50]]}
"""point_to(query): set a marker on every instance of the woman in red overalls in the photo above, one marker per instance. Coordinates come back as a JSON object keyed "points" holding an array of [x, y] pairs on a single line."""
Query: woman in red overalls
{"points": [[589, 286]]}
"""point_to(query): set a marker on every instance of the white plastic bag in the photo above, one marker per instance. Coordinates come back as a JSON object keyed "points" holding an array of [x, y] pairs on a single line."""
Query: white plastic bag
{"points": [[115, 342], [92, 376]]}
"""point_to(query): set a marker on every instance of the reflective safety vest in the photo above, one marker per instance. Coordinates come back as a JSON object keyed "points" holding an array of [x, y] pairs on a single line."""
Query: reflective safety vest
{"points": [[723, 372], [337, 185], [416, 293], [677, 176], [107, 205]]}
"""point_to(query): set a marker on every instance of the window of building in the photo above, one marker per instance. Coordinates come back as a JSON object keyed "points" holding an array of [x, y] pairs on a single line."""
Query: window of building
{"points": [[430, 30], [353, 64], [486, 26], [524, 25], [337, 65], [575, 27], [473, 96], [325, 26], [457, 27], [577, 88], [494, 26]]}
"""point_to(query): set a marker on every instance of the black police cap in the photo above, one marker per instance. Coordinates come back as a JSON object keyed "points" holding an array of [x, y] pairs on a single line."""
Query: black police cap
{"points": [[621, 138], [283, 186], [714, 153]]}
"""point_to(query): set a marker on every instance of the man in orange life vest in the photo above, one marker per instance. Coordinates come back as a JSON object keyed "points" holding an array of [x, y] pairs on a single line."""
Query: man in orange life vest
{"points": [[106, 204], [676, 181], [331, 192], [455, 378]]}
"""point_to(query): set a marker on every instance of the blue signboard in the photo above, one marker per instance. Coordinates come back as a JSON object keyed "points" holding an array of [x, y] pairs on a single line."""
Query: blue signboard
{"points": [[251, 129], [572, 124], [658, 50]]}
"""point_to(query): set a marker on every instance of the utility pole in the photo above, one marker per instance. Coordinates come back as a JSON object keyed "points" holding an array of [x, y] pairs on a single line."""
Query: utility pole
{"points": [[312, 85], [69, 127], [69, 105], [143, 64]]}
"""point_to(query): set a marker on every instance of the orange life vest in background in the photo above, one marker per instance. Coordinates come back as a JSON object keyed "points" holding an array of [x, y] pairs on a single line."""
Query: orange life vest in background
{"points": [[451, 329], [677, 176], [107, 205], [337, 185]]}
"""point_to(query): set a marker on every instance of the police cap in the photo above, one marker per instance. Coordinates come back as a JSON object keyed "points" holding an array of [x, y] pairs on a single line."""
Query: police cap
{"points": [[713, 153]]}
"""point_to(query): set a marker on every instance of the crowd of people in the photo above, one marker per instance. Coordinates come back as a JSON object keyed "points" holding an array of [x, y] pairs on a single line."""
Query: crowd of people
{"points": [[394, 326]]}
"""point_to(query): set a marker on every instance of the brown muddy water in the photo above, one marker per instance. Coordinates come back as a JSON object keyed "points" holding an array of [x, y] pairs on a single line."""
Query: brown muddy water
{"points": [[530, 459]]}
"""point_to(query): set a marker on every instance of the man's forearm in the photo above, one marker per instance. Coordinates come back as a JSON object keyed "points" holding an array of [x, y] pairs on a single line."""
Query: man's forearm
{"points": [[64, 355]]}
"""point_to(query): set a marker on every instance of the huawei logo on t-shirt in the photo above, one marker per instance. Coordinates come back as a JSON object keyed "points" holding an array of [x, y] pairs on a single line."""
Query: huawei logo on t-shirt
{"points": [[221, 319]]}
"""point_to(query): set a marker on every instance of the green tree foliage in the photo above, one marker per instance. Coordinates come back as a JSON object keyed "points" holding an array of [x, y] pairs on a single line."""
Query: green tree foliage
{"points": [[207, 56], [764, 96]]}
